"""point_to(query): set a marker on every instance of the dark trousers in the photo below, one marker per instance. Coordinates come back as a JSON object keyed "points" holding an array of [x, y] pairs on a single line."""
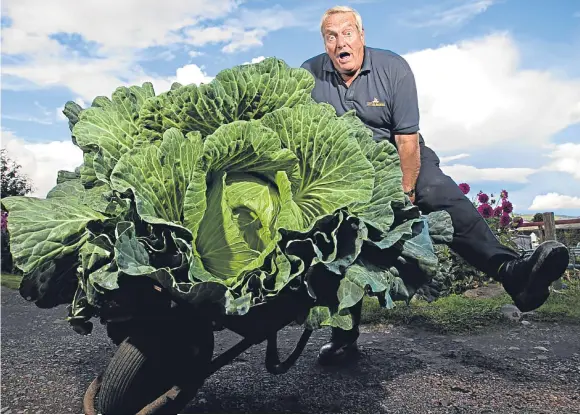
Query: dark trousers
{"points": [[473, 240]]}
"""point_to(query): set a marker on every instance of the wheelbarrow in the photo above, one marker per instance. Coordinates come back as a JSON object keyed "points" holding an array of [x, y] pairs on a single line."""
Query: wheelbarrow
{"points": [[165, 350]]}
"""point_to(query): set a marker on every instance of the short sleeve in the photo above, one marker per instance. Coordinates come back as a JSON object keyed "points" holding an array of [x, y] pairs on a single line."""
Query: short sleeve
{"points": [[405, 107]]}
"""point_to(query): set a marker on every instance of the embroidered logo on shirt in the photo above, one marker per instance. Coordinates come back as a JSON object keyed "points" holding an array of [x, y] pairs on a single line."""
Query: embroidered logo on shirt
{"points": [[375, 103]]}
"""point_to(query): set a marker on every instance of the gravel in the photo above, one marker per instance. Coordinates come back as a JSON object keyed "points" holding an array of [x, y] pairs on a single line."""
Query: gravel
{"points": [[534, 368]]}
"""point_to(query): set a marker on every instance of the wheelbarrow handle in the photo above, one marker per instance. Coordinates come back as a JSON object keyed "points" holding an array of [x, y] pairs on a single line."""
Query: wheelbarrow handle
{"points": [[273, 364]]}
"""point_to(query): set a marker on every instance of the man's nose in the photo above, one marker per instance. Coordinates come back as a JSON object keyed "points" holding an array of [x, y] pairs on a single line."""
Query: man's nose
{"points": [[340, 41]]}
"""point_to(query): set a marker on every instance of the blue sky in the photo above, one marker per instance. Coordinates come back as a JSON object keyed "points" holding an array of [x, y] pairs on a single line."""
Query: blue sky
{"points": [[498, 80]]}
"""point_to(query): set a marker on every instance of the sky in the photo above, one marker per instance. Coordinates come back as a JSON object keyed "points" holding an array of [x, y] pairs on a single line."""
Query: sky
{"points": [[498, 80]]}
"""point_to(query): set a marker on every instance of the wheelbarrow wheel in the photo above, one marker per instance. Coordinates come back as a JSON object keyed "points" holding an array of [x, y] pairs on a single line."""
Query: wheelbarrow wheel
{"points": [[144, 368], [133, 378]]}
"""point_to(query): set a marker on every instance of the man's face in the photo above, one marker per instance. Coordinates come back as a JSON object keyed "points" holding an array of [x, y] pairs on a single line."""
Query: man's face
{"points": [[343, 43]]}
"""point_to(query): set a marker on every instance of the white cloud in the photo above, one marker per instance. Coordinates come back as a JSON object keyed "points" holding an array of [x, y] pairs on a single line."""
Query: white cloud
{"points": [[463, 173], [130, 24], [42, 161], [447, 15], [255, 60], [474, 95], [447, 159], [553, 201], [113, 53], [188, 74], [28, 118], [566, 158]]}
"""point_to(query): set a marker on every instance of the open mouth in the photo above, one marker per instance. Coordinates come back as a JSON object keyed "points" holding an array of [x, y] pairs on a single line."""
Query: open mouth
{"points": [[344, 57]]}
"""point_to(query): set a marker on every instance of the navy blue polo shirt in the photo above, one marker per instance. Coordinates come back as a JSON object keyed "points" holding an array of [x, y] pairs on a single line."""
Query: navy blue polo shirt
{"points": [[384, 94]]}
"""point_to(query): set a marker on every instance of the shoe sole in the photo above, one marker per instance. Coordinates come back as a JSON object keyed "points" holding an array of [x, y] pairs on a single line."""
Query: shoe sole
{"points": [[338, 357], [547, 270]]}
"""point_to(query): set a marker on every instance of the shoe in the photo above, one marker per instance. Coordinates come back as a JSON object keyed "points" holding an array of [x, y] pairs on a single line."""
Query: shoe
{"points": [[341, 348], [527, 280]]}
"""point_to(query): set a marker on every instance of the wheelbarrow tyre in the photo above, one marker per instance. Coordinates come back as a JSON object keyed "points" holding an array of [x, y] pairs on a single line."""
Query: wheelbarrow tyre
{"points": [[134, 377]]}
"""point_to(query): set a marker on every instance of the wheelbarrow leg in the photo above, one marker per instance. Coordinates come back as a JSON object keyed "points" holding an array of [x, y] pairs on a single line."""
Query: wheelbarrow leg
{"points": [[91, 395]]}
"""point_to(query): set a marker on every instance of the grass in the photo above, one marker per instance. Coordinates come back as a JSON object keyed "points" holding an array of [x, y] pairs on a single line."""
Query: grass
{"points": [[452, 314], [458, 314], [10, 280]]}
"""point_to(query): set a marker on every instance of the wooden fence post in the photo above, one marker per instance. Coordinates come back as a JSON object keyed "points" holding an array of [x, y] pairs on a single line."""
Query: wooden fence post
{"points": [[549, 226], [550, 235]]}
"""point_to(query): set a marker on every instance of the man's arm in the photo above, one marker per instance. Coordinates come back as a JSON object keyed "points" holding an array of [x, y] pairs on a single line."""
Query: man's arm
{"points": [[410, 155], [405, 120]]}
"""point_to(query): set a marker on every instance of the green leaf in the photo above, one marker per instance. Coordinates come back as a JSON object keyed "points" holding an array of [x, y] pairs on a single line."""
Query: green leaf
{"points": [[238, 306], [43, 230], [264, 87], [130, 254], [112, 129], [349, 294], [220, 244], [365, 274], [93, 256], [71, 111], [142, 93], [105, 277], [330, 159], [340, 320], [248, 147], [87, 169], [63, 176], [159, 176], [440, 227], [317, 317], [419, 249], [388, 191], [95, 197], [242, 93]]}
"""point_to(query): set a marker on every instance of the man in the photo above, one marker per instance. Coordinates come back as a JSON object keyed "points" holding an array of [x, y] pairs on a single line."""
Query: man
{"points": [[380, 86]]}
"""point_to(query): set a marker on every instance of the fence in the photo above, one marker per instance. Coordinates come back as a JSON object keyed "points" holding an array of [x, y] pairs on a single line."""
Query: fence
{"points": [[547, 229]]}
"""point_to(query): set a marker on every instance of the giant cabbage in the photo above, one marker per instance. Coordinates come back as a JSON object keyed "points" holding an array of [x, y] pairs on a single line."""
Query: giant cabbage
{"points": [[225, 193]]}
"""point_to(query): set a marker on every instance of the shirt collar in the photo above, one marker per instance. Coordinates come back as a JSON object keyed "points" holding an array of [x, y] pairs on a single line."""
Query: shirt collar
{"points": [[366, 65]]}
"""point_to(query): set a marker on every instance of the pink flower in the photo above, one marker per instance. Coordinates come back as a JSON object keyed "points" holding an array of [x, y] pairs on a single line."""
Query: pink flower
{"points": [[485, 210], [507, 206], [4, 221], [482, 197], [504, 194], [497, 211], [504, 220], [464, 188]]}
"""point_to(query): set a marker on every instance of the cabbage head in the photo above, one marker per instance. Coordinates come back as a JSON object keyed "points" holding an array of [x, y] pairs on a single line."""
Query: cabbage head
{"points": [[226, 194]]}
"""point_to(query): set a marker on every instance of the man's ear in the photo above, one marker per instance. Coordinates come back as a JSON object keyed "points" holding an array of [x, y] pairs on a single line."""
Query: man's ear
{"points": [[362, 36]]}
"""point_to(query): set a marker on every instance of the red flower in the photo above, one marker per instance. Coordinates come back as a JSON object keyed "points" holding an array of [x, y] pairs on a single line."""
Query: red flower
{"points": [[507, 206], [485, 210], [464, 188], [504, 194], [483, 198], [504, 220], [497, 211]]}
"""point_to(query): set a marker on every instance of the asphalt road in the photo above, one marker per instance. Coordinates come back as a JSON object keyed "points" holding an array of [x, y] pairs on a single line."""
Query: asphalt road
{"points": [[534, 368]]}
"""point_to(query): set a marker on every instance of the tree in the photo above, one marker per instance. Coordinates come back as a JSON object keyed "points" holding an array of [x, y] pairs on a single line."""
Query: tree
{"points": [[14, 183], [538, 217]]}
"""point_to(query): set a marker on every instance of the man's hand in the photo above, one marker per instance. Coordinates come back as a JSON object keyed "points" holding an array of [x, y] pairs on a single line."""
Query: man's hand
{"points": [[410, 155]]}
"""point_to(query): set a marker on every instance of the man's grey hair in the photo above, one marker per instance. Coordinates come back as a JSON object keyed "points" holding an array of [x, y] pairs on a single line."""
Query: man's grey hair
{"points": [[342, 9]]}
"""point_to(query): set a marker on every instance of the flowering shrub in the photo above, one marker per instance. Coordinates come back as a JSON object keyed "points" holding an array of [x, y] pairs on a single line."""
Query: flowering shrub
{"points": [[498, 213], [4, 221], [455, 275], [6, 263]]}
